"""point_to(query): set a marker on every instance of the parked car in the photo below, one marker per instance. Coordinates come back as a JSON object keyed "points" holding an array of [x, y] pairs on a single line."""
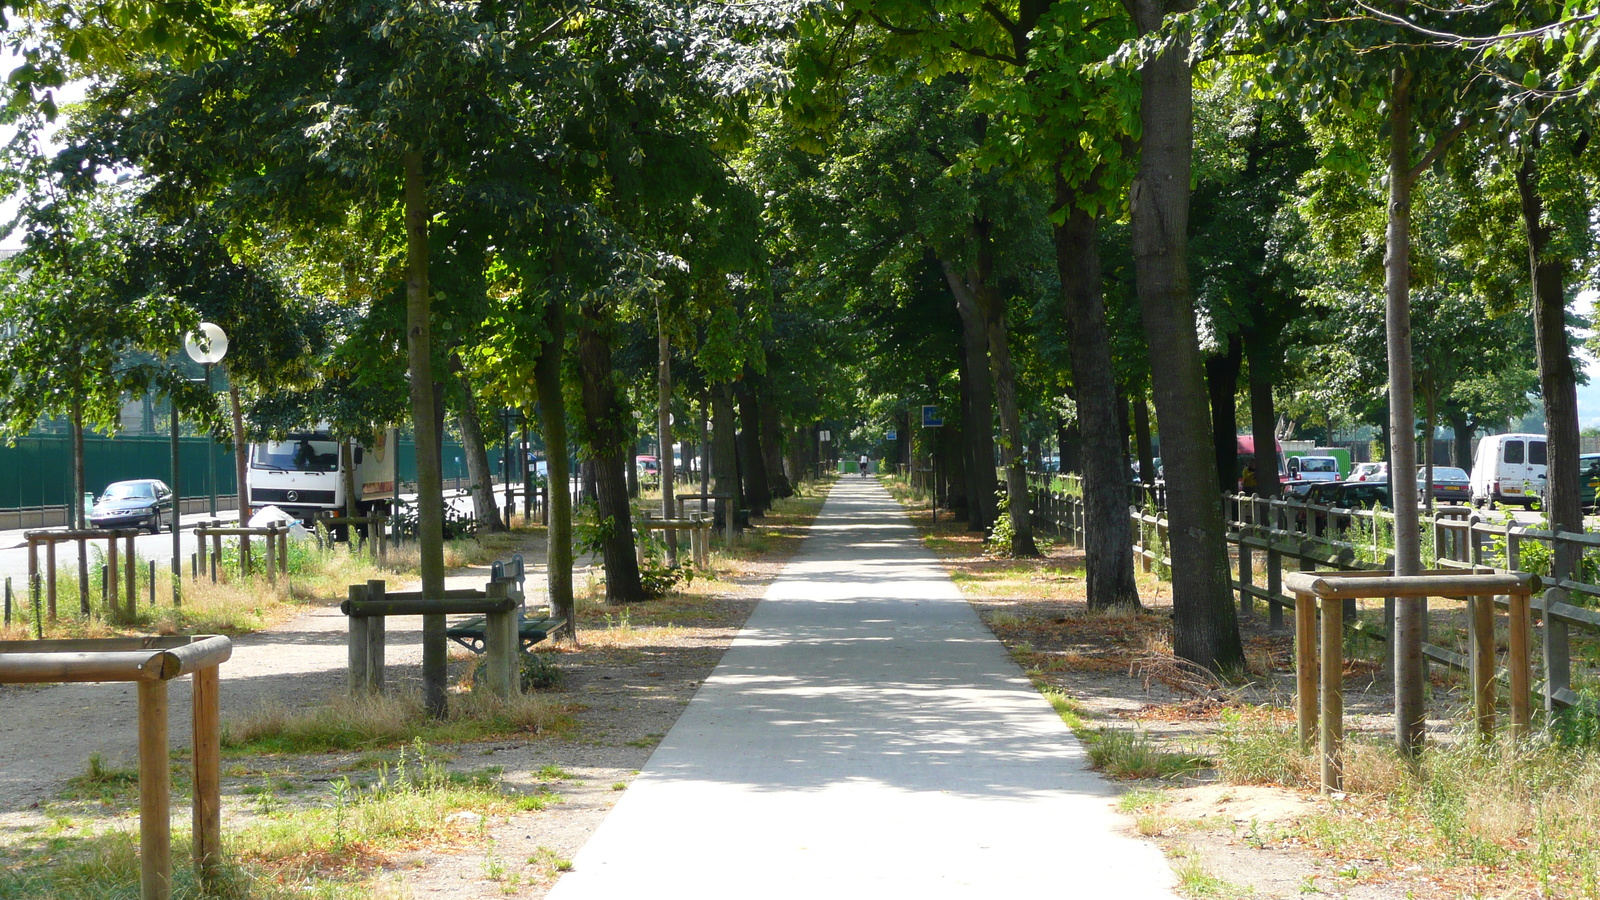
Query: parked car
{"points": [[1370, 471], [1509, 468], [1343, 495], [145, 502], [1449, 483]]}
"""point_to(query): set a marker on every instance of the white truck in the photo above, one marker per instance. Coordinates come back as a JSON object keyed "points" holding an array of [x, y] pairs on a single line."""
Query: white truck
{"points": [[301, 475]]}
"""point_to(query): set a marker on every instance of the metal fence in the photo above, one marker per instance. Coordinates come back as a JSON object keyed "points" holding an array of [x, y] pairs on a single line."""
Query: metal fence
{"points": [[1290, 535]]}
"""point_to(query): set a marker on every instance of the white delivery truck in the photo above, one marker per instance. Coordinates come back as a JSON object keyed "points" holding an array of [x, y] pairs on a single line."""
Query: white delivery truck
{"points": [[301, 475], [1509, 468]]}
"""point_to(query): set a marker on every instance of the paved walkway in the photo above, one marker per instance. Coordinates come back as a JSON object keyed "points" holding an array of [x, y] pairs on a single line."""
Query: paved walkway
{"points": [[866, 736]]}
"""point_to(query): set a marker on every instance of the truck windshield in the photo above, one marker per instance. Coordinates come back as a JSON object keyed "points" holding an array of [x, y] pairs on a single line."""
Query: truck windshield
{"points": [[299, 455]]}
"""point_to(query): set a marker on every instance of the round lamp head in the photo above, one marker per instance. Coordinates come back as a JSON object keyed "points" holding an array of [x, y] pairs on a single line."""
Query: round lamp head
{"points": [[206, 344]]}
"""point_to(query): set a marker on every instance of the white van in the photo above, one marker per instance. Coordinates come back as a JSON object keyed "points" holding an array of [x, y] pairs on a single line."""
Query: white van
{"points": [[1314, 468], [1508, 468]]}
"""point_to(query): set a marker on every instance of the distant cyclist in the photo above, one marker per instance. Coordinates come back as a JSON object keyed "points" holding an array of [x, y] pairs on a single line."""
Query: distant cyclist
{"points": [[865, 464]]}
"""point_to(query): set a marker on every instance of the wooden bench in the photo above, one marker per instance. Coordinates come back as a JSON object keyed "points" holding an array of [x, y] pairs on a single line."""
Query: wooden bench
{"points": [[698, 524]]}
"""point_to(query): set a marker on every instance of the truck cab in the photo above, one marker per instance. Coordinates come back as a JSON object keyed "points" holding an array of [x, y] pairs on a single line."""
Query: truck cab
{"points": [[302, 474]]}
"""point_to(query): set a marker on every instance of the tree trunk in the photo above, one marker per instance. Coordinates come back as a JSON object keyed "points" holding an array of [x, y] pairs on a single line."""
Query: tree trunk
{"points": [[978, 419], [630, 462], [558, 476], [1465, 430], [751, 464], [430, 478], [794, 456], [1142, 442], [975, 296], [724, 464], [241, 452], [1070, 437], [478, 471], [1263, 355], [1410, 714], [1557, 376], [1222, 385], [664, 464], [1205, 628], [1427, 448], [347, 475], [1003, 373], [1108, 537], [772, 443], [80, 482], [608, 424]]}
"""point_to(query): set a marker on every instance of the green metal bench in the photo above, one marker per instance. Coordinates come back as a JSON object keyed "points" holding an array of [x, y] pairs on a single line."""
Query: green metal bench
{"points": [[470, 633]]}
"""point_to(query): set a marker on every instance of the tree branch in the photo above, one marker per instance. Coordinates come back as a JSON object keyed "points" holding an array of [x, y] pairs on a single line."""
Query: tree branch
{"points": [[1438, 148]]}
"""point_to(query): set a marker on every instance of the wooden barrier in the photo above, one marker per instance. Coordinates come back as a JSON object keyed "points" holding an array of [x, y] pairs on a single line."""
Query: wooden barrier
{"points": [[82, 538], [149, 662], [276, 545], [728, 511], [1322, 589], [376, 539], [369, 605], [699, 527]]}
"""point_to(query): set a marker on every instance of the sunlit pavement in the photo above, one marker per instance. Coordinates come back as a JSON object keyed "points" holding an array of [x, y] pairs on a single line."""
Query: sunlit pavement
{"points": [[866, 736]]}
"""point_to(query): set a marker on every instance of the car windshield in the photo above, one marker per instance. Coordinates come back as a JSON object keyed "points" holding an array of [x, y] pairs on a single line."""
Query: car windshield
{"points": [[1315, 464], [129, 490], [299, 455], [1445, 473]]}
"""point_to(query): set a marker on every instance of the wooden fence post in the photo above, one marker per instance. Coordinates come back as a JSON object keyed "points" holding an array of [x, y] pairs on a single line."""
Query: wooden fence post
{"points": [[1332, 698], [1518, 662], [1480, 654], [356, 642], [1305, 667], [155, 793], [376, 637], [1557, 651], [113, 575], [50, 576], [500, 645], [131, 573], [83, 576], [272, 555], [1274, 586], [207, 743]]}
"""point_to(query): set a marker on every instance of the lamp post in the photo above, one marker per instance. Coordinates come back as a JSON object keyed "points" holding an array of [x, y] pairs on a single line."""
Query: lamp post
{"points": [[207, 345], [508, 416]]}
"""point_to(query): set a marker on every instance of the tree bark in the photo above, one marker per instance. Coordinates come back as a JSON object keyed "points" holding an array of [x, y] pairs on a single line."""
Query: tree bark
{"points": [[772, 442], [80, 480], [1465, 430], [664, 465], [608, 430], [974, 294], [724, 463], [978, 419], [1222, 386], [752, 465], [1410, 713], [1205, 628], [1108, 537], [1263, 356], [558, 477], [1142, 442], [1557, 375], [347, 475], [478, 471], [430, 478], [241, 451]]}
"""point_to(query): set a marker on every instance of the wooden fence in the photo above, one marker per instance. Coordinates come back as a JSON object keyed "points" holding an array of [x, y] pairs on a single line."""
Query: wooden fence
{"points": [[1291, 535]]}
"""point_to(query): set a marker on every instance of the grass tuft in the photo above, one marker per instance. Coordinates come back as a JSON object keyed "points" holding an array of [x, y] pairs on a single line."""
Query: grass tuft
{"points": [[367, 723], [1121, 753]]}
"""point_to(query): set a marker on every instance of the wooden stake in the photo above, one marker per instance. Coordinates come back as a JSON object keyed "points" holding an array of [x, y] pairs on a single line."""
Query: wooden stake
{"points": [[207, 737], [50, 577], [376, 629], [155, 794], [1521, 714], [1305, 667], [1481, 634], [1332, 697]]}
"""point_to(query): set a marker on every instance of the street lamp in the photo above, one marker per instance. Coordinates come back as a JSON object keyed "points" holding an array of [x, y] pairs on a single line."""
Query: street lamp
{"points": [[207, 345]]}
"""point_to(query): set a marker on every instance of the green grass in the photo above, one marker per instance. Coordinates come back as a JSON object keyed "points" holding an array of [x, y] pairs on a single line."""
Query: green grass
{"points": [[1124, 754], [322, 849], [369, 723], [1195, 881]]}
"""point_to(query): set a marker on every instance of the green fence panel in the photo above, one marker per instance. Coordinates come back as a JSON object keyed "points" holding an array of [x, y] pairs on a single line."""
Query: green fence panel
{"points": [[39, 467]]}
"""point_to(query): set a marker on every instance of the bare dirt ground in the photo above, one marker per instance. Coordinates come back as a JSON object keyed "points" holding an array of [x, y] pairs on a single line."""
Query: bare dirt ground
{"points": [[624, 686]]}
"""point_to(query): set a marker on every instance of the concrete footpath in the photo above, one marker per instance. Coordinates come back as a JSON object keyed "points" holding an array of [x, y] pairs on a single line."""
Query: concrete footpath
{"points": [[866, 736]]}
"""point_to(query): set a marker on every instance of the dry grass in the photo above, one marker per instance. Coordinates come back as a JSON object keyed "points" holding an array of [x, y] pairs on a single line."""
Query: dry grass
{"points": [[365, 723]]}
